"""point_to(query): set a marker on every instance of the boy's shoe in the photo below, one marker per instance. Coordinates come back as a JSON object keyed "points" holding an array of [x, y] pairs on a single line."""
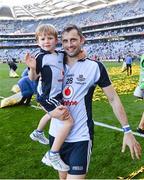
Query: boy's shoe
{"points": [[55, 161], [46, 159], [40, 137], [139, 130]]}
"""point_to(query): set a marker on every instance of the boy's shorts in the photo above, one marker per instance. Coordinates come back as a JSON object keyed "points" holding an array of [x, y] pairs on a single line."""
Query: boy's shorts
{"points": [[76, 155], [49, 104]]}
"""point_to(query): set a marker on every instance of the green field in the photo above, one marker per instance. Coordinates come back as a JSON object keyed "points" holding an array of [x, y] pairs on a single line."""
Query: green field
{"points": [[20, 158]]}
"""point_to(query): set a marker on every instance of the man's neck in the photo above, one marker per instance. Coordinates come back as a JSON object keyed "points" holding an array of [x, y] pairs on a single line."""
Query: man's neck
{"points": [[73, 60]]}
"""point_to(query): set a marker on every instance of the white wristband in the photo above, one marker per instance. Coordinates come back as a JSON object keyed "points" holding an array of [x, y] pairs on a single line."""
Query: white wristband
{"points": [[126, 129]]}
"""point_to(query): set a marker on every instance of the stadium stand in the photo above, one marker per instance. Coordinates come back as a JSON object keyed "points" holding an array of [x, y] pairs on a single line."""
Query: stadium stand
{"points": [[110, 32]]}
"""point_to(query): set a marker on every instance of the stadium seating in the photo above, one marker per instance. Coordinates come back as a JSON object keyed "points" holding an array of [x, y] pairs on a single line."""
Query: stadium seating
{"points": [[110, 32]]}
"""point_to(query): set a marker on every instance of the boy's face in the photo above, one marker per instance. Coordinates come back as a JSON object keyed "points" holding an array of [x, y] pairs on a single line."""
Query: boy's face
{"points": [[47, 42]]}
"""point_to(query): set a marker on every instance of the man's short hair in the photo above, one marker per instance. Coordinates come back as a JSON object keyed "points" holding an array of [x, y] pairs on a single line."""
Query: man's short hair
{"points": [[70, 27]]}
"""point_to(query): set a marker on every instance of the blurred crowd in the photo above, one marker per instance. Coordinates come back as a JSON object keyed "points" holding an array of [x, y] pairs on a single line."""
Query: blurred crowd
{"points": [[95, 43]]}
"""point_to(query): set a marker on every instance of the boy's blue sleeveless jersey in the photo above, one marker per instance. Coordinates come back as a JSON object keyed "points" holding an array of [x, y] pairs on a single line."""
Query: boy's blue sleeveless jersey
{"points": [[80, 81], [50, 82]]}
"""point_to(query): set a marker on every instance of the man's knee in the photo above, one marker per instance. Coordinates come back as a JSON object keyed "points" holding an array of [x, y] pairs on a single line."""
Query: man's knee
{"points": [[65, 176], [70, 177], [62, 175]]}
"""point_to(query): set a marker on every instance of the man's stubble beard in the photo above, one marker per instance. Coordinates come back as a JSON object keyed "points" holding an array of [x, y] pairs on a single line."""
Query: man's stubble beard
{"points": [[75, 54]]}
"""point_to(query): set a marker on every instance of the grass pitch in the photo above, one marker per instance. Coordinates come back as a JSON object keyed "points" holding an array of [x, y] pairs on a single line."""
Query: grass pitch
{"points": [[20, 158]]}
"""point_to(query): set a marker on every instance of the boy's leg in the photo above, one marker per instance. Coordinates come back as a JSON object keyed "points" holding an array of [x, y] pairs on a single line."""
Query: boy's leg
{"points": [[62, 134], [38, 134], [52, 157], [43, 122]]}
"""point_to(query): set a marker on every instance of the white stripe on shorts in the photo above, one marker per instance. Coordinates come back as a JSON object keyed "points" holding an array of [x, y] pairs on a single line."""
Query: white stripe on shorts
{"points": [[89, 153]]}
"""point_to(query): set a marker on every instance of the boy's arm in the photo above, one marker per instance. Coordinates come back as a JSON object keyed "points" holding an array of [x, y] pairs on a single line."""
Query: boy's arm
{"points": [[118, 109], [61, 112], [31, 63], [32, 74]]}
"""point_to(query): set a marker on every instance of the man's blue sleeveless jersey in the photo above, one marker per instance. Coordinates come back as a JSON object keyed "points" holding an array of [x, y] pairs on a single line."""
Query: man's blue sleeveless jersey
{"points": [[80, 81], [51, 69]]}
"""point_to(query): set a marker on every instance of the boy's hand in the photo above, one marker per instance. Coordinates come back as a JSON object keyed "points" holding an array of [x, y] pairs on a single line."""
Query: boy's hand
{"points": [[60, 113], [30, 61]]}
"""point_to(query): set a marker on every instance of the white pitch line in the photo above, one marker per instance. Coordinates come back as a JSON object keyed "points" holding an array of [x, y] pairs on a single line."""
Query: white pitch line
{"points": [[1, 97], [115, 128], [103, 125], [36, 107], [96, 123]]}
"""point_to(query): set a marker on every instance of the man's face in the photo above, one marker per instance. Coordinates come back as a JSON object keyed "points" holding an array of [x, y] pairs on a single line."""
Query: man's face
{"points": [[72, 43]]}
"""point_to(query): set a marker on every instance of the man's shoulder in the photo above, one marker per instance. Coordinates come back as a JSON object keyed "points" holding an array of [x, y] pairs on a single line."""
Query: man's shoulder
{"points": [[93, 62]]}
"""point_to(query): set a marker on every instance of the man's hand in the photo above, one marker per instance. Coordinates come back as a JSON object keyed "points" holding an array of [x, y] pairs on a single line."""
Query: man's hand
{"points": [[30, 61], [130, 141], [61, 113]]}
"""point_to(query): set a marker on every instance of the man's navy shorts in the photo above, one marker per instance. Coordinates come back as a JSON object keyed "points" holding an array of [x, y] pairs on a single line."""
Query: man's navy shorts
{"points": [[76, 155]]}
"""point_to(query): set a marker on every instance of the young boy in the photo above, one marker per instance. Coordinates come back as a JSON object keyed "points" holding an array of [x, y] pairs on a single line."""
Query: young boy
{"points": [[48, 67]]}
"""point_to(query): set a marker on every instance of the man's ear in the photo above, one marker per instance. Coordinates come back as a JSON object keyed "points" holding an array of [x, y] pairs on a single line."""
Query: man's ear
{"points": [[82, 40]]}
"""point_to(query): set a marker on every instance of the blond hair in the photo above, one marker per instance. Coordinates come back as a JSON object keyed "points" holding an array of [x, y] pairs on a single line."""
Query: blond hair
{"points": [[46, 29]]}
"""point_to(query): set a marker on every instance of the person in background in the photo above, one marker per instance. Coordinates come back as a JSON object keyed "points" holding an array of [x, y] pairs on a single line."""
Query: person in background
{"points": [[12, 68], [140, 128], [128, 61], [139, 93], [24, 89], [27, 88]]}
